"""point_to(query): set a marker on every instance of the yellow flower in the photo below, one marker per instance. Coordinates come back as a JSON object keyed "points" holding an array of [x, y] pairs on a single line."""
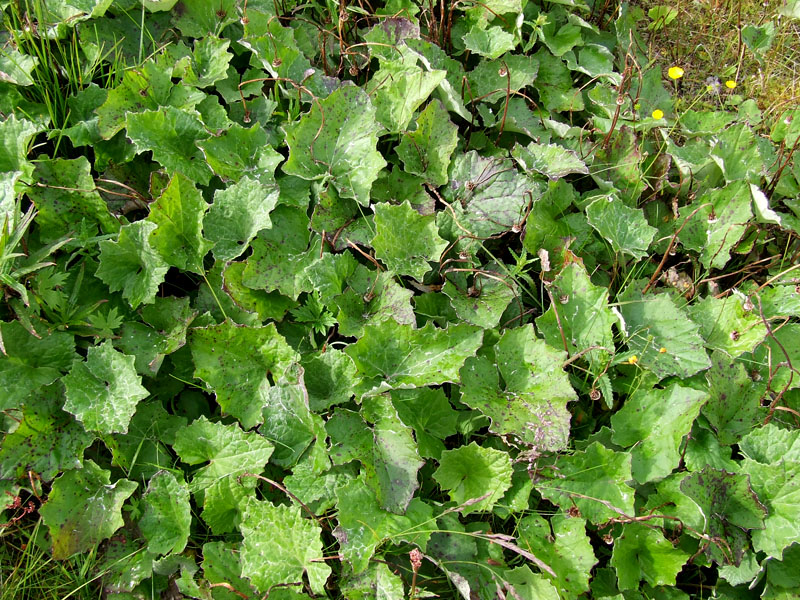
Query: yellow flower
{"points": [[658, 114], [662, 350], [633, 360], [675, 72], [730, 84]]}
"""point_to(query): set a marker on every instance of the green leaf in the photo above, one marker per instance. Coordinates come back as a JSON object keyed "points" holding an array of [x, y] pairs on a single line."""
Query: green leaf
{"points": [[669, 500], [229, 451], [390, 355], [491, 42], [336, 142], [209, 62], [405, 240], [643, 553], [167, 515], [654, 422], [662, 16], [456, 553], [125, 563], [554, 84], [372, 299], [15, 137], [17, 68], [484, 302], [350, 437], [221, 565], [84, 508], [142, 452], [490, 194], [330, 378], [618, 164], [290, 425], [703, 449], [224, 503], [281, 254], [727, 325], [774, 362], [427, 150], [562, 41], [533, 404], [770, 444], [47, 439], [332, 274], [178, 214], [729, 507], [778, 488], [551, 160], [170, 134], [624, 228], [474, 477], [736, 153], [103, 391], [386, 451], [276, 49], [655, 321], [398, 88], [266, 305], [316, 489], [30, 362], [594, 480], [523, 583], [364, 525], [377, 582], [432, 57], [65, 196], [69, 12], [733, 399], [563, 545], [314, 315], [238, 152], [280, 546], [429, 413], [132, 265], [720, 221], [773, 463], [168, 321], [492, 80], [142, 89], [237, 362], [203, 17], [395, 457], [580, 310]]}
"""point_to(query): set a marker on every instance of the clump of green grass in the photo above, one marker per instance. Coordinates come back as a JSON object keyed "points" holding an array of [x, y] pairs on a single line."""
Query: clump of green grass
{"points": [[29, 572], [747, 44], [62, 67]]}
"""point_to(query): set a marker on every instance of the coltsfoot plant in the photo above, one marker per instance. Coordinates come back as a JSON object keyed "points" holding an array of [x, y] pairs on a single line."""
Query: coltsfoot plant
{"points": [[361, 300]]}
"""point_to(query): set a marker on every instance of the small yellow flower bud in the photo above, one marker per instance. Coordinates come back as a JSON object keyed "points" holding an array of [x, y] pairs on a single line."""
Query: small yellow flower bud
{"points": [[662, 350], [633, 360], [658, 114], [675, 72], [730, 84]]}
